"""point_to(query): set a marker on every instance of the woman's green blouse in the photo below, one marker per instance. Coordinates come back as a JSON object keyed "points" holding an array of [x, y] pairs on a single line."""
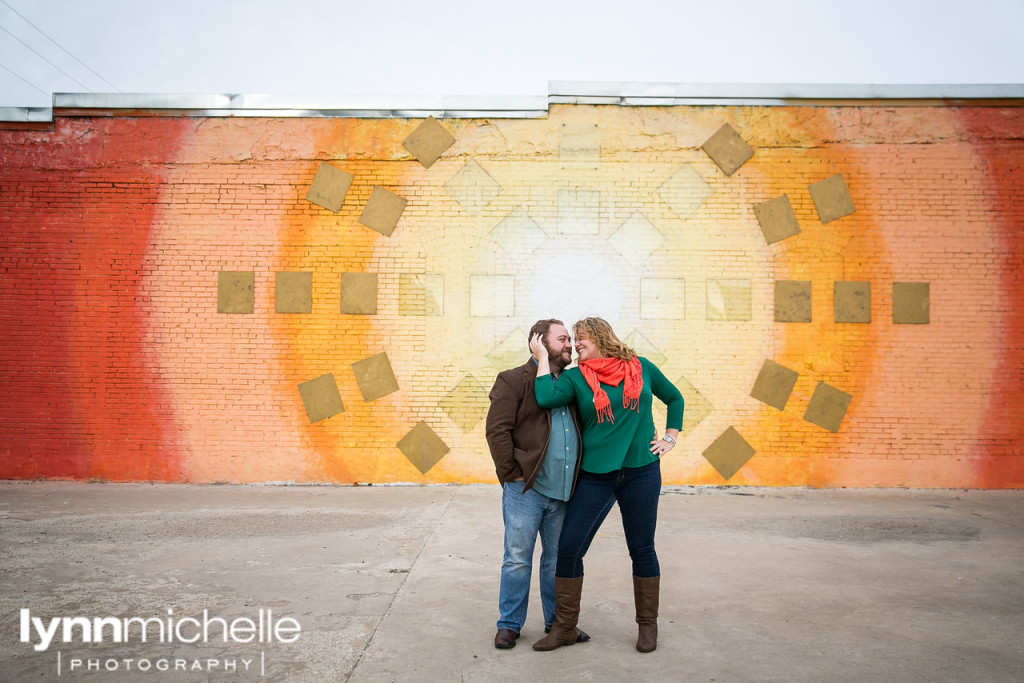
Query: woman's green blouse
{"points": [[626, 441]]}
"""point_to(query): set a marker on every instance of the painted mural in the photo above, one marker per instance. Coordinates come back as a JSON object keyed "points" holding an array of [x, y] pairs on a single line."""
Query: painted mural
{"points": [[835, 290]]}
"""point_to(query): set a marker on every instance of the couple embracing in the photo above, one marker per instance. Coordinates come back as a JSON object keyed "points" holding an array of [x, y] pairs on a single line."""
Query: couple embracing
{"points": [[567, 444]]}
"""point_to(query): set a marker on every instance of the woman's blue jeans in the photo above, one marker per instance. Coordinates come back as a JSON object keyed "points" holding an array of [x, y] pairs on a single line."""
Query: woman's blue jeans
{"points": [[636, 490]]}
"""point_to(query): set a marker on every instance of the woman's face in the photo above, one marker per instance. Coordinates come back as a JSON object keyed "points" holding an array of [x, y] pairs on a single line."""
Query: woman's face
{"points": [[586, 349]]}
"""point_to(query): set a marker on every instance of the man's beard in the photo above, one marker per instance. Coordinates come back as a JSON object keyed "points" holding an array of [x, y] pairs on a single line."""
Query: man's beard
{"points": [[559, 360]]}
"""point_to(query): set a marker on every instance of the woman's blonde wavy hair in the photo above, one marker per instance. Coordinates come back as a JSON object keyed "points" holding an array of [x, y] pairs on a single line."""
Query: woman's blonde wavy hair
{"points": [[601, 333]]}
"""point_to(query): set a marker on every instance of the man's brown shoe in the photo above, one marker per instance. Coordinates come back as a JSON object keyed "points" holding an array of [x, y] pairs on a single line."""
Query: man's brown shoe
{"points": [[505, 639]]}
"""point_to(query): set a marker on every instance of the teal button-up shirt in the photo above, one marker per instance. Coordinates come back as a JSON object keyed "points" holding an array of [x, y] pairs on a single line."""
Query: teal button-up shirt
{"points": [[554, 479]]}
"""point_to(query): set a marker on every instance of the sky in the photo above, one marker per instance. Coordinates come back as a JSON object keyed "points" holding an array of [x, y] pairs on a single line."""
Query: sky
{"points": [[474, 48]]}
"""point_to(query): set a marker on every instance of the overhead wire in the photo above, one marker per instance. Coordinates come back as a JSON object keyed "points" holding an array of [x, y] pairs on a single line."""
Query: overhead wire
{"points": [[14, 73], [65, 50]]}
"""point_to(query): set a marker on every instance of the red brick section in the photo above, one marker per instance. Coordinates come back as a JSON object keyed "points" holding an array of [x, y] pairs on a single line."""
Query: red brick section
{"points": [[76, 205], [998, 137]]}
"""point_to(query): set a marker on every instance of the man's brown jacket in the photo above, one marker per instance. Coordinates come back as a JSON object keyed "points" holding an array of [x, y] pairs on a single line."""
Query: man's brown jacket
{"points": [[518, 430]]}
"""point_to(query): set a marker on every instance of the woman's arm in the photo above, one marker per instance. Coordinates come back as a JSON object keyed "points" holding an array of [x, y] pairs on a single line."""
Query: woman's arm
{"points": [[673, 399], [549, 394]]}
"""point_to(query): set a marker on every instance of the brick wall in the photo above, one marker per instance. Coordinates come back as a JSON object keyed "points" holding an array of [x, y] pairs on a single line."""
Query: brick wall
{"points": [[119, 360]]}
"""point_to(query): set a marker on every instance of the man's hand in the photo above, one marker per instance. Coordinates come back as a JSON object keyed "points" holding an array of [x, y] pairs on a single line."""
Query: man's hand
{"points": [[539, 349]]}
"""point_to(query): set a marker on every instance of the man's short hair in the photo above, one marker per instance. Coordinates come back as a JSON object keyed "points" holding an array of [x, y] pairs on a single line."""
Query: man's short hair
{"points": [[541, 327]]}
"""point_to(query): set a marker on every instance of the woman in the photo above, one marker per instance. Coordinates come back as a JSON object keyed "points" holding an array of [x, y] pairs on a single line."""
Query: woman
{"points": [[613, 389]]}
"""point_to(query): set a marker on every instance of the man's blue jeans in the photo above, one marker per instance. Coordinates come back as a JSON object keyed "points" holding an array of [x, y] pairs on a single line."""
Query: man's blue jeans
{"points": [[636, 489], [526, 515]]}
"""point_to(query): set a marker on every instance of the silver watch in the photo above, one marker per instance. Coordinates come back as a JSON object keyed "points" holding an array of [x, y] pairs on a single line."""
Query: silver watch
{"points": [[670, 439]]}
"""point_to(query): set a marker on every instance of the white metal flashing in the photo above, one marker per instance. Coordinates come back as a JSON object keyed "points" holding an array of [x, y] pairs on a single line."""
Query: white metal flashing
{"points": [[559, 92]]}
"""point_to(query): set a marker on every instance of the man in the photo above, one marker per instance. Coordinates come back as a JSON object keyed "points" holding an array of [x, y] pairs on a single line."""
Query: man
{"points": [[536, 456]]}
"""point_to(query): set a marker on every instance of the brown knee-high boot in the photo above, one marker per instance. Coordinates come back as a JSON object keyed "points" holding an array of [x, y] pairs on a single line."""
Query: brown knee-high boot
{"points": [[567, 613], [645, 596]]}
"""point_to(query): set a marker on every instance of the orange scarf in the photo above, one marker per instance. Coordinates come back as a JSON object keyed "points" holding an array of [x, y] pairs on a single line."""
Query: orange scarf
{"points": [[611, 371]]}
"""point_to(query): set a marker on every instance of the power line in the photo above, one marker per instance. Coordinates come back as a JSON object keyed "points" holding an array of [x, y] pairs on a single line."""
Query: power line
{"points": [[25, 79], [65, 50], [45, 59]]}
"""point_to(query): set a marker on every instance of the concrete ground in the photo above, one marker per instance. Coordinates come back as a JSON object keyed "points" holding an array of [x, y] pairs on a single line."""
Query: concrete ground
{"points": [[400, 584]]}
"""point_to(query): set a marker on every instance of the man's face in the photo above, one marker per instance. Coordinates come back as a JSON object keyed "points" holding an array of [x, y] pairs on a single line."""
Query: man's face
{"points": [[559, 345]]}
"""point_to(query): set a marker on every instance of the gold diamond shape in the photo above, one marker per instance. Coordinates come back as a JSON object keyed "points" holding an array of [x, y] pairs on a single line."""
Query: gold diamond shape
{"points": [[375, 377], [697, 406], [776, 219], [511, 351], [686, 191], [293, 292], [727, 149], [911, 303], [643, 347], [467, 403], [851, 302], [518, 234], [382, 211], [729, 453], [793, 301], [321, 398], [636, 239], [831, 198], [827, 407], [236, 292], [473, 188], [330, 185], [774, 384], [428, 142], [423, 447]]}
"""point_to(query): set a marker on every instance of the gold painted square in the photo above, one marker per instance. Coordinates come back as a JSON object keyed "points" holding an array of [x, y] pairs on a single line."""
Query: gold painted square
{"points": [[727, 149], [579, 211], [851, 302], [728, 300], [911, 303], [423, 447], [293, 292], [330, 185], [827, 407], [662, 298], [831, 198], [382, 211], [793, 301], [774, 384], [236, 292], [421, 294], [467, 403], [321, 398], [375, 377], [492, 296], [359, 293], [580, 146], [428, 142], [728, 453], [777, 219]]}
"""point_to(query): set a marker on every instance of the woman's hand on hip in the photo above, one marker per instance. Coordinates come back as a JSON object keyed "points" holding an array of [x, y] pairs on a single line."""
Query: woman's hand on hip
{"points": [[662, 446]]}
